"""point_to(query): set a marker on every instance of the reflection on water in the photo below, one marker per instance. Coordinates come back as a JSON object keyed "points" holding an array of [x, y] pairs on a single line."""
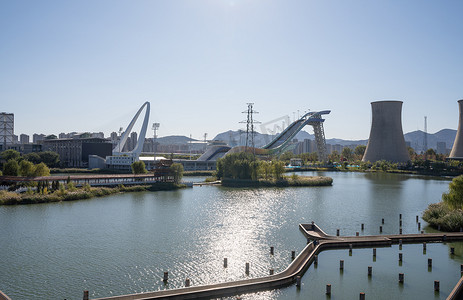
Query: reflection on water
{"points": [[123, 243]]}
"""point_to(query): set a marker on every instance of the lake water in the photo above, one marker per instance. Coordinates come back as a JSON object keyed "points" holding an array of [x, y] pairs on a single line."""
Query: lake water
{"points": [[123, 243]]}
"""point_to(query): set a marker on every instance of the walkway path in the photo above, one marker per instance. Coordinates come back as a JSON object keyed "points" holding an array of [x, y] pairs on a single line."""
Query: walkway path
{"points": [[321, 241]]}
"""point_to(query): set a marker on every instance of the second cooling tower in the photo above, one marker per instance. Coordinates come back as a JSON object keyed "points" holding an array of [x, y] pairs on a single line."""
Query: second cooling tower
{"points": [[457, 149], [386, 140]]}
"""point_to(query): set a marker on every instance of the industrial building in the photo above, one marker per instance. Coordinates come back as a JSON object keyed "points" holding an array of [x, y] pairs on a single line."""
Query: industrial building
{"points": [[75, 152], [386, 140]]}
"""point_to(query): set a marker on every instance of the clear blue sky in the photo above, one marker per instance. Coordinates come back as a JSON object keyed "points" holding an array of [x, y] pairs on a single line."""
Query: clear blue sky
{"points": [[89, 65]]}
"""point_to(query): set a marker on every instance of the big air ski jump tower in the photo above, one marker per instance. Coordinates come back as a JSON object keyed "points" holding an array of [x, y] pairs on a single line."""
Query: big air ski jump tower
{"points": [[457, 149], [386, 140]]}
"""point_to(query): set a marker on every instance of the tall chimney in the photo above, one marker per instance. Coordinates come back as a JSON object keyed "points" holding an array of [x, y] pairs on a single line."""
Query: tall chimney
{"points": [[386, 140], [457, 149]]}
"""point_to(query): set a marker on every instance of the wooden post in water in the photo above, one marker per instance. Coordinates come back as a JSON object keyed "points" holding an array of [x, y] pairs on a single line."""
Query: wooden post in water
{"points": [[328, 289], [85, 295], [417, 219], [298, 281], [225, 262], [380, 228], [400, 231], [166, 276], [429, 262], [400, 256], [370, 269], [419, 225], [452, 250], [271, 271], [271, 250], [337, 232], [436, 285], [187, 282], [341, 264], [363, 226], [315, 259], [362, 296], [424, 246], [357, 233], [247, 268], [382, 221], [293, 255], [374, 252], [401, 277]]}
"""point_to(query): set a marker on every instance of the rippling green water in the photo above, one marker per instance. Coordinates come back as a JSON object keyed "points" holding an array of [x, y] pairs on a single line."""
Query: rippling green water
{"points": [[123, 243]]}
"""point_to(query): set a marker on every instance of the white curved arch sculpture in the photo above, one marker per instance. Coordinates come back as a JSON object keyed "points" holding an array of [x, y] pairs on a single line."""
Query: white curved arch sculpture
{"points": [[141, 140]]}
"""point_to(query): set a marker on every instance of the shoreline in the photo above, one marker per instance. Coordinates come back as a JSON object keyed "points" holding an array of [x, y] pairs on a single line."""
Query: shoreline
{"points": [[12, 198]]}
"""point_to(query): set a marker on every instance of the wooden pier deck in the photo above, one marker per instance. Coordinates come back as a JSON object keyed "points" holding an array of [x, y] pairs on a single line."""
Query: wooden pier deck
{"points": [[319, 241]]}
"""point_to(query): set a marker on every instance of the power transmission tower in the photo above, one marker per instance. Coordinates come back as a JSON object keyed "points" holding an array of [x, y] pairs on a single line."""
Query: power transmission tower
{"points": [[250, 127]]}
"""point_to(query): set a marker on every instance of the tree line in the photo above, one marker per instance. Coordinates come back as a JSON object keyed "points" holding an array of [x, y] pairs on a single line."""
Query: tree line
{"points": [[28, 165]]}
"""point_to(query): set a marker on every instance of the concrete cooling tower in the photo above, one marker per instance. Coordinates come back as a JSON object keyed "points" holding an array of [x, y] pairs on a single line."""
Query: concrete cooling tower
{"points": [[386, 140], [457, 149]]}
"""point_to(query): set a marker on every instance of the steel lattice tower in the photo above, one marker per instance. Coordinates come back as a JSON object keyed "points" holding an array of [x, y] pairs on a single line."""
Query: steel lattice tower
{"points": [[250, 127]]}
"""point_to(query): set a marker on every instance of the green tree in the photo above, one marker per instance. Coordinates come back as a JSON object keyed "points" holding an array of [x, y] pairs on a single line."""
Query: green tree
{"points": [[411, 153], [10, 154], [41, 170], [177, 172], [235, 165], [265, 169], [278, 169], [26, 168], [286, 156], [431, 154], [347, 153], [50, 158], [33, 158], [11, 168], [254, 169], [360, 150], [454, 198], [334, 156], [138, 167]]}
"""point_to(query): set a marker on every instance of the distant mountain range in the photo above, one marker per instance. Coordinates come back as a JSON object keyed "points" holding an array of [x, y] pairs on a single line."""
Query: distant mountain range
{"points": [[234, 138]]}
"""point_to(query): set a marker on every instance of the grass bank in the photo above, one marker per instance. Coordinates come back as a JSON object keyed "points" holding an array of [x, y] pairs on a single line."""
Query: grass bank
{"points": [[11, 198], [440, 215], [285, 182]]}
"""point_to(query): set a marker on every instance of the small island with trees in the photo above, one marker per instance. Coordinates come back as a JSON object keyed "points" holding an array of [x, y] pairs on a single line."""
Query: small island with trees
{"points": [[245, 170], [447, 215]]}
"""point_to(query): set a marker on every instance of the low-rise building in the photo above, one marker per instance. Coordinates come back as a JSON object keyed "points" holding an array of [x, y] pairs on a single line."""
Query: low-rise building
{"points": [[75, 152]]}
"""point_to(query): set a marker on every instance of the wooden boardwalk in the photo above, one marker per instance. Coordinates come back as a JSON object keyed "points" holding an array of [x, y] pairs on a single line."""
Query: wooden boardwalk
{"points": [[319, 241]]}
